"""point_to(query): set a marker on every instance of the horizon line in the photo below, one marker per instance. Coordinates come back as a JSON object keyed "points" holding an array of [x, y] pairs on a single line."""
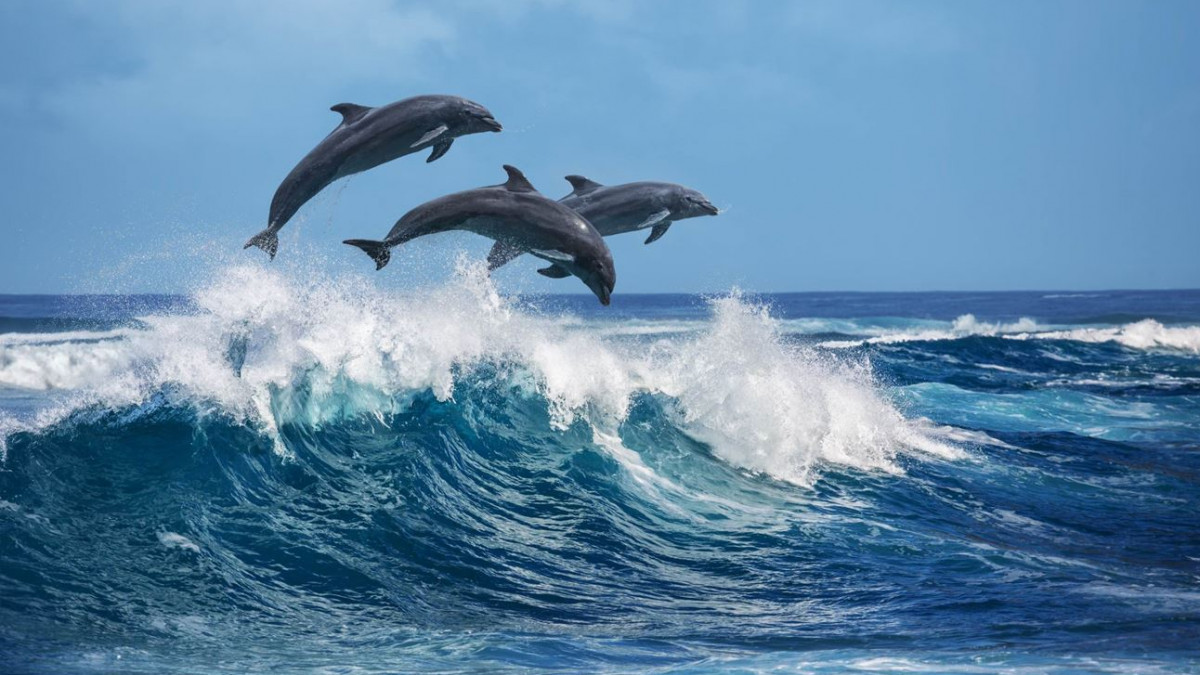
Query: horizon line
{"points": [[695, 293]]}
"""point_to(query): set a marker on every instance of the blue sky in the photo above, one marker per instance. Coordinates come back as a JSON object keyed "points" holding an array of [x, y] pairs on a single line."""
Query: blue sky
{"points": [[857, 145]]}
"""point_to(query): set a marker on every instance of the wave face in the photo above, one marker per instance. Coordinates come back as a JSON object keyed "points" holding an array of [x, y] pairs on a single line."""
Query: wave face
{"points": [[320, 474]]}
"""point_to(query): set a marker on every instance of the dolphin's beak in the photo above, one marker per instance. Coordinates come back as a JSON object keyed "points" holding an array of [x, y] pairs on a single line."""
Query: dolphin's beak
{"points": [[710, 209], [605, 296], [491, 123]]}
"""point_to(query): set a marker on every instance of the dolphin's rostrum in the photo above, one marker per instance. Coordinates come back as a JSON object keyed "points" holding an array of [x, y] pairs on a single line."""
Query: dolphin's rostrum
{"points": [[518, 216], [366, 138], [615, 209]]}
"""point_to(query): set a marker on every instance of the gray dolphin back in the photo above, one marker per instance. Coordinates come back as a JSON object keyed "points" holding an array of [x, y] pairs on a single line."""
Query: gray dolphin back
{"points": [[367, 137], [486, 211], [521, 219]]}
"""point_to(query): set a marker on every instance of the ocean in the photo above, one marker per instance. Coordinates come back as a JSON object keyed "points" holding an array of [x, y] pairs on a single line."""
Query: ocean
{"points": [[304, 474]]}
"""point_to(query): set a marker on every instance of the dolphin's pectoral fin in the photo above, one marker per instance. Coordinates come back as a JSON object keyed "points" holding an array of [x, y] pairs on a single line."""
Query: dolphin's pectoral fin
{"points": [[503, 253], [430, 135], [440, 148], [517, 182], [553, 256], [658, 231], [351, 112], [654, 219], [581, 186], [554, 272]]}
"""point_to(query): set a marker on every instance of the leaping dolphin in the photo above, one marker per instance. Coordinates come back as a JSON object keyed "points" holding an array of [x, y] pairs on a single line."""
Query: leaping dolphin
{"points": [[518, 216], [615, 209], [366, 138]]}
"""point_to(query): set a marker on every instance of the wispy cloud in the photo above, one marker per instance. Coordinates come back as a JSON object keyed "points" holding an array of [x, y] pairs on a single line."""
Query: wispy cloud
{"points": [[215, 63], [609, 11], [679, 83], [211, 66], [876, 24]]}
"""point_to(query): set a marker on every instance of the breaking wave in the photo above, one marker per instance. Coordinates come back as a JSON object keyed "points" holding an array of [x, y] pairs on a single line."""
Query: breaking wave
{"points": [[1144, 334], [267, 350], [293, 472]]}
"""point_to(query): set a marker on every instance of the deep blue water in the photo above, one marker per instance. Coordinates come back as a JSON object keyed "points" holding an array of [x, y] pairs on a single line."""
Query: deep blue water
{"points": [[319, 476]]}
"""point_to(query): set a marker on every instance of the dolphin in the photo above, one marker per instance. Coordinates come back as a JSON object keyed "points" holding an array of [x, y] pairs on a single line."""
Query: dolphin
{"points": [[615, 209], [366, 138], [516, 214]]}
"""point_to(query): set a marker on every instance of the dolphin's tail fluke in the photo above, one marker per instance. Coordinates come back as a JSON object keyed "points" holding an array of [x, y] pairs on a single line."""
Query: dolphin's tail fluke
{"points": [[378, 250], [267, 240]]}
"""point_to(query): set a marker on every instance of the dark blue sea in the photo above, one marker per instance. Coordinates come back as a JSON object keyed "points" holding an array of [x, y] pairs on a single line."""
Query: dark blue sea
{"points": [[311, 475]]}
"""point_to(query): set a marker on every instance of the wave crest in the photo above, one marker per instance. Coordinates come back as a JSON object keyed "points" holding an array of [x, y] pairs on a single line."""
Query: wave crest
{"points": [[782, 409], [1145, 334]]}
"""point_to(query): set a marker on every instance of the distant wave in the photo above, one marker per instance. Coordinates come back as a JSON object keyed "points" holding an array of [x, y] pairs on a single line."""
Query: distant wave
{"points": [[964, 326], [1144, 334], [7, 339]]}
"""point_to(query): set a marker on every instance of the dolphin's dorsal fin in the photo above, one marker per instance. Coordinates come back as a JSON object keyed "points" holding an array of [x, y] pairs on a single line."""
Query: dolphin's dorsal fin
{"points": [[351, 112], [582, 185], [517, 182]]}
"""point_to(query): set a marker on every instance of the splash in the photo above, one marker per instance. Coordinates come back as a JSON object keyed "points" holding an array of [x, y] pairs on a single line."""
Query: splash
{"points": [[780, 409], [268, 349]]}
